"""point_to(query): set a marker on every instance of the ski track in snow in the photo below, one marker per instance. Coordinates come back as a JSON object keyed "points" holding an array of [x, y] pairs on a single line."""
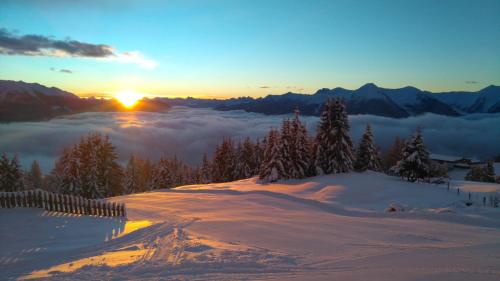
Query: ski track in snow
{"points": [[322, 228]]}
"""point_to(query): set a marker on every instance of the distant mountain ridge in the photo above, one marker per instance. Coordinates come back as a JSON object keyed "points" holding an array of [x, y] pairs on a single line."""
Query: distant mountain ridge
{"points": [[21, 101], [371, 99]]}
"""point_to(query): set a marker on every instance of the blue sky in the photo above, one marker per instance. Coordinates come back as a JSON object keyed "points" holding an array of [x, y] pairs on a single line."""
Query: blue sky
{"points": [[234, 48]]}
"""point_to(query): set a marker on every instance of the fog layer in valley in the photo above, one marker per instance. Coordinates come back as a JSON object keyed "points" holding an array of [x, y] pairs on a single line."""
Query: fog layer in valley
{"points": [[188, 132]]}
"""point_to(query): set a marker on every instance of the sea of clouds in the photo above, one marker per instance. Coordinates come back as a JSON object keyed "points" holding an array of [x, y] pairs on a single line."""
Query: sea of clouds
{"points": [[189, 132]]}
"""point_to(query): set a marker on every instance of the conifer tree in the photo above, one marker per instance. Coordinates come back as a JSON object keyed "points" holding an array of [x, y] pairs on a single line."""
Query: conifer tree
{"points": [[393, 154], [313, 148], [11, 175], [334, 145], [367, 154], [16, 174], [224, 162], [4, 171], [239, 162], [132, 176], [300, 153], [272, 167], [109, 172], [415, 162], [206, 170], [162, 177], [259, 155], [287, 149], [246, 159], [89, 169], [33, 177]]}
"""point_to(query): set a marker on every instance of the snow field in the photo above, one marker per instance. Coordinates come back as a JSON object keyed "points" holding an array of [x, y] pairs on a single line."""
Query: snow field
{"points": [[321, 228]]}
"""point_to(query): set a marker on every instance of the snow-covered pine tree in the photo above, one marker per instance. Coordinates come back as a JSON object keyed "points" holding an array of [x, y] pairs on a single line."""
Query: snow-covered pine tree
{"points": [[367, 154], [334, 145], [313, 147], [176, 171], [239, 163], [246, 159], [415, 162], [4, 171], [287, 149], [224, 162], [95, 189], [162, 176], [132, 179], [342, 149], [300, 153], [272, 168], [146, 175], [205, 170], [109, 173], [259, 155], [33, 177], [11, 175], [89, 169], [64, 178]]}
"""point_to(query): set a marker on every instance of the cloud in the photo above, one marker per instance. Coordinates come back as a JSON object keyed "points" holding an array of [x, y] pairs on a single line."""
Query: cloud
{"points": [[62, 70], [188, 133], [38, 45], [264, 87], [134, 57], [471, 82]]}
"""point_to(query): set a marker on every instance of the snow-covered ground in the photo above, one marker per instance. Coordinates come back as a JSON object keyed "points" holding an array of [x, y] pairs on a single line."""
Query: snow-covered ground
{"points": [[324, 228]]}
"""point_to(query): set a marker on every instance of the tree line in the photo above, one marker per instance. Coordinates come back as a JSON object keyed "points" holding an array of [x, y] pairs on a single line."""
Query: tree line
{"points": [[90, 168]]}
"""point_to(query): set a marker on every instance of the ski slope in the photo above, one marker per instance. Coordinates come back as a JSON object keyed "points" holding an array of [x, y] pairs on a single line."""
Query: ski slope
{"points": [[333, 227]]}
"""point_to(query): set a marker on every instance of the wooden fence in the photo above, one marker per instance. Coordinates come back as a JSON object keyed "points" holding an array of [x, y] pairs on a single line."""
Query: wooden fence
{"points": [[63, 203]]}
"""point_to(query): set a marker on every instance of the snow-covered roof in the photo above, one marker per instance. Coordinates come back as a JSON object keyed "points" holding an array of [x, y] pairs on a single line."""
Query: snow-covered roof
{"points": [[442, 157], [451, 158]]}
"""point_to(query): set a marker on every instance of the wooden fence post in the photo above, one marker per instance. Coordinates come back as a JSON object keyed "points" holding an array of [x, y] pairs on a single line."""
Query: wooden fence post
{"points": [[39, 197], [110, 210], [18, 199], [124, 210], [104, 212], [30, 199]]}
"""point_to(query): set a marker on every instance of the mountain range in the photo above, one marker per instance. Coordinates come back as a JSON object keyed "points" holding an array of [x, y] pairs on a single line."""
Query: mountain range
{"points": [[21, 101], [371, 99]]}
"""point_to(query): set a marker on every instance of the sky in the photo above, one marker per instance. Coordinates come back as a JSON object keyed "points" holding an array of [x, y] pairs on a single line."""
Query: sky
{"points": [[249, 48]]}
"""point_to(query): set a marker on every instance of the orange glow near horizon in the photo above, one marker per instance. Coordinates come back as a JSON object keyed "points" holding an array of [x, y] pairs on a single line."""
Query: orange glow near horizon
{"points": [[128, 98]]}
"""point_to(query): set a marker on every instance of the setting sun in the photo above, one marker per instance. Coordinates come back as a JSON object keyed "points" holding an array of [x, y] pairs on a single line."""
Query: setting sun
{"points": [[128, 98]]}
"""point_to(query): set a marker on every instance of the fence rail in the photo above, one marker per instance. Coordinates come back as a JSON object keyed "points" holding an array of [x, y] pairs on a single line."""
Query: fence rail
{"points": [[64, 203]]}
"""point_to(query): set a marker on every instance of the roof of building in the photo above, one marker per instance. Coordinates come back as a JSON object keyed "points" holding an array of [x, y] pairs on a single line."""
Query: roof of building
{"points": [[447, 158]]}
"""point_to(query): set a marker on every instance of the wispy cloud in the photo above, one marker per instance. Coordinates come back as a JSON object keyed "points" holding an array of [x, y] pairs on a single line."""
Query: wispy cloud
{"points": [[265, 87], [471, 82], [62, 70], [39, 45]]}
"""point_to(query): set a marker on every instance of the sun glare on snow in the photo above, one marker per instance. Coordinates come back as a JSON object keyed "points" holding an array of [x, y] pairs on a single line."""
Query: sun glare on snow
{"points": [[128, 98]]}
